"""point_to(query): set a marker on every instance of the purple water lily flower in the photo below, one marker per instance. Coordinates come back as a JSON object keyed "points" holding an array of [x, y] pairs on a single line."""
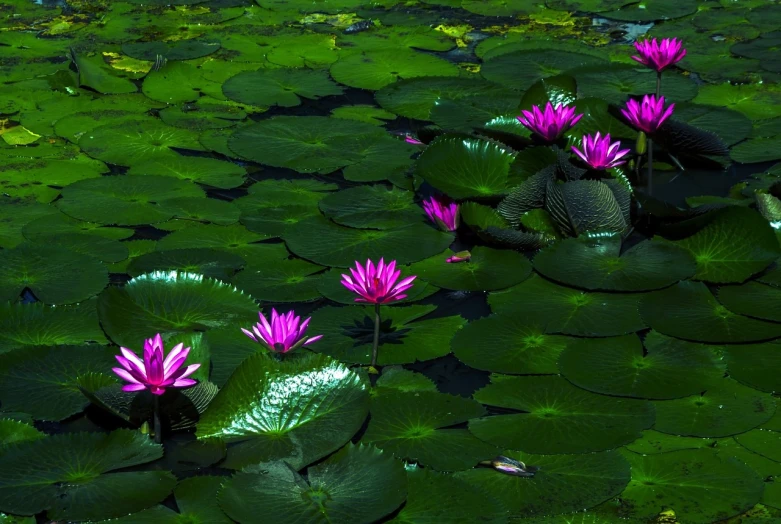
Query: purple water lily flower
{"points": [[412, 140], [659, 56], [155, 373], [550, 123], [649, 114], [284, 333], [443, 212], [599, 153], [377, 284]]}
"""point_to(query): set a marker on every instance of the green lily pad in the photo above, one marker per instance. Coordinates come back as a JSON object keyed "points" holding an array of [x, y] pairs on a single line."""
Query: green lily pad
{"points": [[384, 159], [136, 141], [62, 224], [517, 347], [558, 417], [755, 365], [584, 206], [762, 441], [55, 275], [596, 117], [196, 498], [377, 207], [414, 98], [284, 281], [757, 150], [207, 262], [177, 50], [654, 442], [376, 69], [328, 244], [752, 299], [283, 192], [469, 113], [463, 168], [44, 381], [190, 211], [234, 238], [409, 425], [588, 6], [395, 35], [756, 101], [274, 221], [521, 69], [363, 113], [234, 348], [616, 82], [727, 408], [689, 311], [563, 484], [348, 333], [279, 87], [96, 74], [74, 483], [266, 418], [337, 490], [125, 200], [487, 269], [106, 250], [178, 82], [652, 11], [330, 286], [569, 311], [666, 368], [42, 180], [170, 303], [16, 431], [729, 125], [598, 264], [207, 171], [396, 378], [304, 143], [72, 127], [698, 485]]}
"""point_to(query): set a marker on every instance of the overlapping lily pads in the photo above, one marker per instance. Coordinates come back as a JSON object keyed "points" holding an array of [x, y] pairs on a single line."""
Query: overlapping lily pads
{"points": [[281, 87], [487, 269], [372, 207]]}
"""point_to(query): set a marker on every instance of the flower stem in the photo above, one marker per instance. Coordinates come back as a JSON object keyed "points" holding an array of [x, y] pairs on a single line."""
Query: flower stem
{"points": [[157, 425], [658, 83], [376, 343]]}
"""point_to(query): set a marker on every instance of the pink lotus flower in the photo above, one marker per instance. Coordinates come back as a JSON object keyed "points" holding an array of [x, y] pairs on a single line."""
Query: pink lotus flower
{"points": [[284, 333], [659, 56], [443, 212], [647, 115], [412, 140], [377, 285], [599, 153], [154, 373], [551, 122]]}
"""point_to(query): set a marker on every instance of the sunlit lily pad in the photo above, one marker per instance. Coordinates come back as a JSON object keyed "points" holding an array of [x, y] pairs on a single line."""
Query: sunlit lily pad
{"points": [[396, 378], [207, 171], [170, 303], [96, 74], [372, 207], [689, 311], [296, 424], [666, 368], [204, 261], [284, 281], [348, 333], [756, 101], [282, 495], [487, 269], [375, 69], [178, 82], [280, 87], [409, 425], [557, 416], [16, 431]]}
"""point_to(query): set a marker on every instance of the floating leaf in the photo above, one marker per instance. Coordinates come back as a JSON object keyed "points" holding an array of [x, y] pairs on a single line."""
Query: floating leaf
{"points": [[486, 269], [96, 74], [176, 50], [16, 431], [752, 299], [755, 365], [520, 69], [396, 378], [203, 261], [285, 281], [376, 69], [279, 87], [372, 207], [207, 171]]}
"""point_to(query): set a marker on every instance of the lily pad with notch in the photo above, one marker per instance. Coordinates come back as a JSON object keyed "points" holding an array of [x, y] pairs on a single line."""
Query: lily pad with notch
{"points": [[348, 333], [556, 417], [204, 261], [731, 126], [666, 368], [375, 206], [617, 82], [653, 442], [757, 150], [292, 280], [190, 211], [374, 70], [293, 425], [486, 269], [279, 87], [203, 170]]}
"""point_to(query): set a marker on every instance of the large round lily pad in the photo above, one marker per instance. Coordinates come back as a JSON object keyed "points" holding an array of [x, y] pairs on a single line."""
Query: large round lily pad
{"points": [[487, 269], [279, 87], [267, 418], [337, 490], [348, 333], [170, 302], [617, 82], [293, 280], [569, 311], [598, 264], [520, 69], [688, 310], [176, 50], [666, 368], [207, 171], [62, 224], [463, 168], [752, 299], [376, 69], [409, 425], [125, 200], [377, 207], [234, 238], [557, 416], [323, 242], [727, 408], [755, 365]]}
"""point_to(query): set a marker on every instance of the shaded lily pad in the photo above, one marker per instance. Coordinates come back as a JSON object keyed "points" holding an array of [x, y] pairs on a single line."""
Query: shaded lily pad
{"points": [[169, 303], [409, 425], [207, 171], [752, 299], [284, 281], [323, 242], [726, 408], [177, 50], [372, 207], [765, 442], [617, 82], [689, 311], [296, 424], [557, 416], [667, 368], [283, 192], [755, 365], [520, 69], [731, 126], [487, 269], [234, 238], [193, 210], [376, 69], [598, 264], [274, 221], [348, 333], [757, 150], [655, 442], [569, 311], [282, 495], [563, 484], [330, 286], [279, 87], [204, 261], [60, 224]]}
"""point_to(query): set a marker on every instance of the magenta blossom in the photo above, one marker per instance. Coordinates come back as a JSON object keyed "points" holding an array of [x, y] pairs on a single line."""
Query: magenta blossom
{"points": [[659, 56], [284, 333], [154, 373], [377, 285], [443, 212], [647, 115], [551, 122], [412, 140], [599, 153]]}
